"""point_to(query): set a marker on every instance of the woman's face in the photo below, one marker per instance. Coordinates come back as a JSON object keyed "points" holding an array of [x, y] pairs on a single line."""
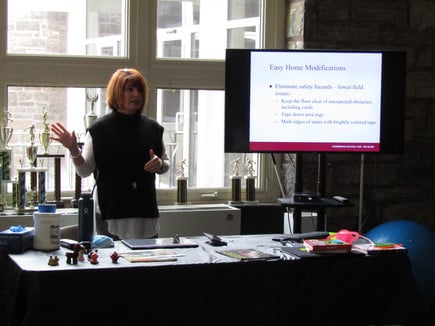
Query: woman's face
{"points": [[133, 98]]}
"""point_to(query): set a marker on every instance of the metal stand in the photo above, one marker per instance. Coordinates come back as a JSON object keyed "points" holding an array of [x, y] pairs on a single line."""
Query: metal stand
{"points": [[57, 175], [250, 189], [297, 211], [318, 206], [21, 188], [236, 189], [182, 190], [5, 161], [78, 186]]}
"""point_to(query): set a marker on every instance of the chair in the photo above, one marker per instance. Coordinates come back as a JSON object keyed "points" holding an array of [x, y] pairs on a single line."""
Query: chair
{"points": [[70, 232]]}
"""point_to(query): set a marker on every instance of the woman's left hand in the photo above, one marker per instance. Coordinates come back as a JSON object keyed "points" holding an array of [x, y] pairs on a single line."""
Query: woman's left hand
{"points": [[155, 164]]}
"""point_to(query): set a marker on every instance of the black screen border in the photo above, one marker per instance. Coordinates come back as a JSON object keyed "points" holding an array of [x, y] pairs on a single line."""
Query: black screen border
{"points": [[237, 100]]}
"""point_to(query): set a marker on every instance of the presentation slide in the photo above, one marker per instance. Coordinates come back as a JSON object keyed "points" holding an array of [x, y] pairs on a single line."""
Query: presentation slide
{"points": [[316, 101]]}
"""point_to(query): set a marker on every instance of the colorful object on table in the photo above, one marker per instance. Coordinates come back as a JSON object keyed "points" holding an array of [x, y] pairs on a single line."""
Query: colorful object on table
{"points": [[81, 254], [344, 235], [73, 257], [114, 256], [17, 228], [102, 241], [327, 246], [53, 261], [93, 257], [387, 245]]}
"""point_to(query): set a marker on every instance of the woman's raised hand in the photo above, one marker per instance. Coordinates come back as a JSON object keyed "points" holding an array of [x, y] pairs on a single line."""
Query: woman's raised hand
{"points": [[63, 136]]}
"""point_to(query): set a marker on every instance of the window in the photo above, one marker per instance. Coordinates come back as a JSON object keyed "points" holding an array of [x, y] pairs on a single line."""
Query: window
{"points": [[192, 121], [64, 27], [202, 29], [178, 45], [68, 105]]}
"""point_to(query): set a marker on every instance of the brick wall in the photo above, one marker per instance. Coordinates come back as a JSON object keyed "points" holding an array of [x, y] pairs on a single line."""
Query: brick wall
{"points": [[395, 186]]}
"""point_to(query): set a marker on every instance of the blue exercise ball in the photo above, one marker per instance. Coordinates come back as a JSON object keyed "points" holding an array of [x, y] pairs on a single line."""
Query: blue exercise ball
{"points": [[420, 242]]}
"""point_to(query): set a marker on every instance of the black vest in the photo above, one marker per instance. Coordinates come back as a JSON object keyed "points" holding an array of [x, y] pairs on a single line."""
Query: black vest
{"points": [[121, 146]]}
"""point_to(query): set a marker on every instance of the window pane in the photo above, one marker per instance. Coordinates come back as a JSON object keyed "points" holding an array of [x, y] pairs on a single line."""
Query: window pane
{"points": [[67, 27], [194, 129], [66, 105], [240, 9], [203, 29]]}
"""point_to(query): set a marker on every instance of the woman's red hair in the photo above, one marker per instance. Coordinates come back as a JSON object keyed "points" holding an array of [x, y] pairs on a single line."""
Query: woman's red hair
{"points": [[116, 85]]}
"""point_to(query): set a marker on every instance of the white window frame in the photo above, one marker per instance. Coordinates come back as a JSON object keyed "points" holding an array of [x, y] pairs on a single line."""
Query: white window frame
{"points": [[70, 71]]}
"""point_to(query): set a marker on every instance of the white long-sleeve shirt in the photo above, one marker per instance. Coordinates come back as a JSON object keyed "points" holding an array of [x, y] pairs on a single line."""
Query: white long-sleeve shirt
{"points": [[125, 228]]}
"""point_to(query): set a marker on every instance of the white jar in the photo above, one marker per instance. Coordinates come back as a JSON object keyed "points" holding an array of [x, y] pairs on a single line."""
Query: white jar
{"points": [[47, 231]]}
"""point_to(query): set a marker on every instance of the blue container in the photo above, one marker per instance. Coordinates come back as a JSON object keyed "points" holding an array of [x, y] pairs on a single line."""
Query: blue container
{"points": [[47, 208]]}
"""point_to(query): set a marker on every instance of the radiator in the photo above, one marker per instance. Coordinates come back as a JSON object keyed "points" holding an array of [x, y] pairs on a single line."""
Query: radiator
{"points": [[11, 218], [184, 220], [192, 220]]}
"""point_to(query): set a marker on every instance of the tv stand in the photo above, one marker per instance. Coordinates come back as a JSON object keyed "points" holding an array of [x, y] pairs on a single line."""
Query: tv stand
{"points": [[319, 206]]}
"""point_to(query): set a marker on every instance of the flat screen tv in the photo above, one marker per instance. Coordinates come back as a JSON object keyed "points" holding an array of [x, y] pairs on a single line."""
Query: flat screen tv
{"points": [[321, 101]]}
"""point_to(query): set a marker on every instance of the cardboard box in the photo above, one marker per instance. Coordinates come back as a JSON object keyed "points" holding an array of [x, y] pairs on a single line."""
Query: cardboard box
{"points": [[17, 242]]}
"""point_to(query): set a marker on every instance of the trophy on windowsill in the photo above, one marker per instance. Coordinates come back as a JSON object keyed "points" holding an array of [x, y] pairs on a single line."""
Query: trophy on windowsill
{"points": [[250, 182], [236, 182], [44, 136], [5, 131], [181, 183], [31, 150], [91, 116]]}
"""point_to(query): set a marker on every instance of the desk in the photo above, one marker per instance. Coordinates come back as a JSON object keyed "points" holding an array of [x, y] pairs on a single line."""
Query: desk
{"points": [[207, 288], [318, 206]]}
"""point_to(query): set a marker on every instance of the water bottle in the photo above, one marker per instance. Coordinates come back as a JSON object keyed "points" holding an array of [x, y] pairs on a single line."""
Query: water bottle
{"points": [[86, 217]]}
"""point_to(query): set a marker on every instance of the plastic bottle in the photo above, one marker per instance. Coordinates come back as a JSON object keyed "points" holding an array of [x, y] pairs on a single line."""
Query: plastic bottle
{"points": [[47, 228], [86, 217]]}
